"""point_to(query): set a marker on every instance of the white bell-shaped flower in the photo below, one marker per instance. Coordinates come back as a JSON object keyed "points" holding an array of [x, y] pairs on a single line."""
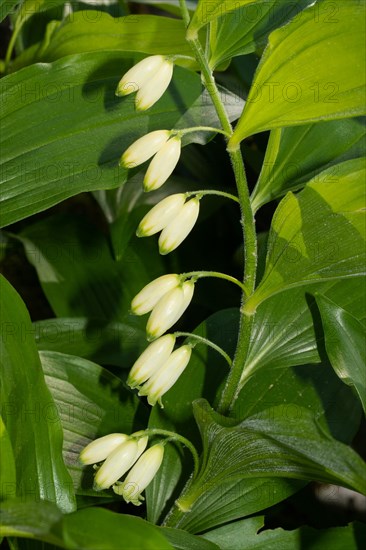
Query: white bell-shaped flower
{"points": [[139, 74], [166, 377], [165, 313], [100, 448], [161, 215], [150, 295], [169, 309], [152, 90], [163, 164], [144, 148], [141, 475], [179, 227], [118, 462], [150, 361]]}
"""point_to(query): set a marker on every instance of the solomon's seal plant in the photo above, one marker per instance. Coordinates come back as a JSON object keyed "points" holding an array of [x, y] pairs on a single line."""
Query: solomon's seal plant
{"points": [[120, 353]]}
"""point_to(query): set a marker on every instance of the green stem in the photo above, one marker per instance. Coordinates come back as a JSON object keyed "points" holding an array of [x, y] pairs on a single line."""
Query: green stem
{"points": [[203, 192], [207, 342], [201, 274], [184, 131], [247, 220], [175, 437]]}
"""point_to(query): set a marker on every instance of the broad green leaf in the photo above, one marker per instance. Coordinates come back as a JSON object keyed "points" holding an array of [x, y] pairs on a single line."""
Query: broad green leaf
{"points": [[295, 155], [77, 272], [87, 31], [345, 345], [286, 330], [27, 409], [322, 79], [98, 528], [248, 534], [265, 445], [245, 30], [90, 402], [181, 540], [6, 7], [91, 529], [111, 343], [316, 235], [208, 11], [7, 464], [64, 130]]}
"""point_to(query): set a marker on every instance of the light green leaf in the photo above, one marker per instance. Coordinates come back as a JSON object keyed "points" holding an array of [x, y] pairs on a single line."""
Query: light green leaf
{"points": [[245, 30], [345, 344], [286, 329], [90, 529], [265, 445], [208, 11], [249, 535], [90, 402], [295, 155], [64, 130], [316, 235], [28, 410], [7, 464], [322, 79]]}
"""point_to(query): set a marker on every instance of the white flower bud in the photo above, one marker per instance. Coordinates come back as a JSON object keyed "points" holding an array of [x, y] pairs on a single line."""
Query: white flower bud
{"points": [[141, 475], [161, 215], [150, 295], [165, 313], [166, 377], [163, 164], [139, 74], [188, 291], [151, 360], [144, 148], [180, 226], [100, 448], [152, 90], [118, 462]]}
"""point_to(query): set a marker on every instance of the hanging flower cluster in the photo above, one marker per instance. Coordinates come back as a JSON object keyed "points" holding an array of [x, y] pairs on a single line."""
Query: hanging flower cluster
{"points": [[167, 297], [119, 453], [160, 366], [174, 217], [165, 150], [149, 78]]}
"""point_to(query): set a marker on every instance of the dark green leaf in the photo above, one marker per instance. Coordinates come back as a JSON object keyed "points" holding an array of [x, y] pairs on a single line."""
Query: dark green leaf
{"points": [[297, 154], [6, 7], [87, 31], [323, 78], [78, 274], [181, 540], [345, 344], [91, 529], [265, 445], [245, 535], [64, 130], [111, 343], [28, 410], [90, 402], [316, 235]]}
